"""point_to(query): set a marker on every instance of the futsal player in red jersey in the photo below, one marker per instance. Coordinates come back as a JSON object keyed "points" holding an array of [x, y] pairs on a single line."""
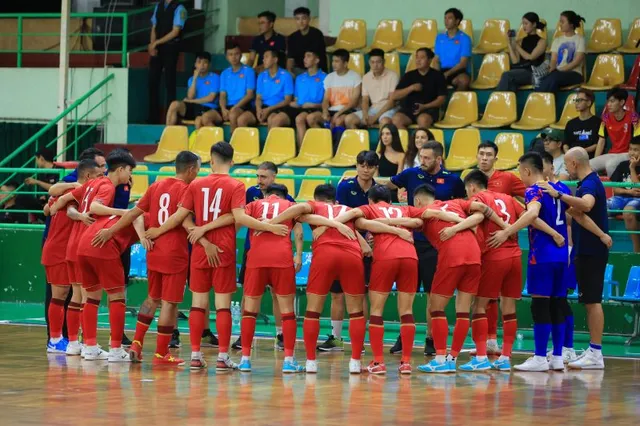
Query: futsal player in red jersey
{"points": [[55, 265]]}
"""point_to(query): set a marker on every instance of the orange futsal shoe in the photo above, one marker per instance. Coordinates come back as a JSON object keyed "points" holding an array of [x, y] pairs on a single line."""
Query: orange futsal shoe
{"points": [[168, 359], [404, 368], [135, 352], [377, 368]]}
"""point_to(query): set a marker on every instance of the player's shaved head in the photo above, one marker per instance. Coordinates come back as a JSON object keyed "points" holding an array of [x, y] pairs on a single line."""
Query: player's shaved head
{"points": [[325, 193], [277, 190], [424, 195], [578, 154], [223, 151], [379, 193], [532, 160]]}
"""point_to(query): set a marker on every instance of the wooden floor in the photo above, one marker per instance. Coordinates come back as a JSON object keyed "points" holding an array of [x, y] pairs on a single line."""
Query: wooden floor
{"points": [[59, 390]]}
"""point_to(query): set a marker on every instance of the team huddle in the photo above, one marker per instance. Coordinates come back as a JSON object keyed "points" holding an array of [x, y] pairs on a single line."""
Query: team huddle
{"points": [[476, 239]]}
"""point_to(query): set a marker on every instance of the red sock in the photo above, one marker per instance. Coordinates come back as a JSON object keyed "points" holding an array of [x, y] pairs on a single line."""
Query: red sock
{"points": [[247, 330], [376, 337], [310, 331], [73, 320], [90, 321], [82, 321], [357, 330], [196, 326], [460, 332], [289, 329], [439, 331], [117, 310], [479, 333], [56, 317], [407, 336], [164, 337], [509, 329], [223, 326], [141, 327], [492, 319]]}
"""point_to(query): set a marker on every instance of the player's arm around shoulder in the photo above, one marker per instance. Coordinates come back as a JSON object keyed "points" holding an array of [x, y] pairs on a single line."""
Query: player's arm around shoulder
{"points": [[377, 227]]}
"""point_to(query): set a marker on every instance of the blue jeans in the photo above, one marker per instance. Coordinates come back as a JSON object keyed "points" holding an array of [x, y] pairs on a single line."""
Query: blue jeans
{"points": [[558, 79], [619, 202]]}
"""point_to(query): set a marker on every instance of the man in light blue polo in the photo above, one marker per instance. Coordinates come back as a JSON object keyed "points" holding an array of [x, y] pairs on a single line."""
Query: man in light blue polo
{"points": [[308, 94], [237, 88], [453, 51]]}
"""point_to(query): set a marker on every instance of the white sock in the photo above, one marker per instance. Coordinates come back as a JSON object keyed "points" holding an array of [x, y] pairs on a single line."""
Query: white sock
{"points": [[288, 359], [245, 358], [596, 351], [74, 342], [336, 327], [196, 355], [223, 355], [481, 358], [55, 340], [278, 330], [440, 359], [557, 357]]}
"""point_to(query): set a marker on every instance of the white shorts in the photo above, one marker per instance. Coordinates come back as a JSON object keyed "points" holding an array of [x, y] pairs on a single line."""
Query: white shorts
{"points": [[373, 111]]}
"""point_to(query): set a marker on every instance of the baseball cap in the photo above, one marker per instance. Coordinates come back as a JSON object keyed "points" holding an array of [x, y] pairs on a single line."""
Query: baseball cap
{"points": [[553, 134]]}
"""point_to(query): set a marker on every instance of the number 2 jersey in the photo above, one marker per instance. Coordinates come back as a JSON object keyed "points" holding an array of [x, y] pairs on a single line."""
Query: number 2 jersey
{"points": [[389, 246], [542, 248]]}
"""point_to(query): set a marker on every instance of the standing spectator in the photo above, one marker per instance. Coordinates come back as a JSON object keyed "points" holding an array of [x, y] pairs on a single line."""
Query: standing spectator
{"points": [[583, 130], [567, 55], [166, 32], [44, 160], [453, 51], [237, 89], [418, 138], [391, 152], [378, 86], [421, 92], [628, 198], [499, 181], [619, 125], [306, 39], [11, 202], [201, 103], [525, 53], [553, 145], [268, 39]]}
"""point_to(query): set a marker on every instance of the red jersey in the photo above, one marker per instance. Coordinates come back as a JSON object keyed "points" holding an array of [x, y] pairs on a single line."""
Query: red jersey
{"points": [[460, 250], [269, 250], [170, 252], [60, 227], [619, 132], [331, 236], [114, 248], [389, 246], [209, 198], [506, 183], [509, 211]]}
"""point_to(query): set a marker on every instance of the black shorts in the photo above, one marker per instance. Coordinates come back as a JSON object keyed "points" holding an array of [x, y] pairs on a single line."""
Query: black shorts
{"points": [[452, 76], [433, 112], [427, 262], [294, 112], [368, 261], [194, 110], [590, 276]]}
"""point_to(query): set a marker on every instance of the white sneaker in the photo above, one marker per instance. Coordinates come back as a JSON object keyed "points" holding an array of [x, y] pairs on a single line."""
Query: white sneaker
{"points": [[590, 360], [95, 353], [311, 366], [493, 348], [535, 363], [569, 355], [556, 363], [355, 366], [118, 355], [74, 348]]}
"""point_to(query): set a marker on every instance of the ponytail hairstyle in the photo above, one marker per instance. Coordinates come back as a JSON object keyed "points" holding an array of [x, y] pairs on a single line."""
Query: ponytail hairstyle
{"points": [[535, 20], [573, 18]]}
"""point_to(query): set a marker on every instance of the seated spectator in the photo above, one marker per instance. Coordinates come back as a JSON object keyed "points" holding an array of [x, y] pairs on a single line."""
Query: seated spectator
{"points": [[421, 92], [418, 138], [237, 89], [306, 39], [10, 202], [567, 55], [44, 160], [628, 198], [553, 145], [201, 103], [268, 39], [619, 125], [308, 95], [583, 130], [391, 151], [525, 53], [453, 51], [341, 92], [377, 87], [274, 93]]}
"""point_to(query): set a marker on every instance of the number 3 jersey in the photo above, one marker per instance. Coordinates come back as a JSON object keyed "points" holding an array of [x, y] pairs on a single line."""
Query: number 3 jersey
{"points": [[209, 198], [170, 253], [389, 246], [542, 248]]}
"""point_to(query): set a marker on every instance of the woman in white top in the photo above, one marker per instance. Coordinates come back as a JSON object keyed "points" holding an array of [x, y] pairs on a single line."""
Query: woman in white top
{"points": [[567, 55], [418, 138]]}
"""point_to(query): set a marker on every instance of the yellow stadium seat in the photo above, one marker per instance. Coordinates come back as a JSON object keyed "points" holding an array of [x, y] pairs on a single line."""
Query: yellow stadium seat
{"points": [[247, 181], [466, 26], [542, 33], [351, 144], [606, 36], [438, 134], [462, 152], [493, 65], [352, 36], [501, 111], [423, 33], [392, 62], [558, 32], [246, 144], [356, 63], [349, 174], [569, 112], [246, 56], [279, 148], [173, 140], [388, 35], [289, 183], [539, 112], [632, 39], [166, 169], [465, 172], [411, 65], [140, 182], [510, 148], [308, 186], [608, 71], [493, 38], [316, 149], [205, 139], [461, 111], [204, 171], [584, 76]]}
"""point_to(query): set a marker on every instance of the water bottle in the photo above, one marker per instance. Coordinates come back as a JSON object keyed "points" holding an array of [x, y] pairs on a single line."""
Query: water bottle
{"points": [[236, 315]]}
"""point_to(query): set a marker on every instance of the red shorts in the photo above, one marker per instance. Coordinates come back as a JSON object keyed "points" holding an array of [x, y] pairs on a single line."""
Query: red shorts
{"points": [[501, 278], [167, 287], [98, 274], [57, 274], [403, 272], [331, 263], [464, 278], [74, 272], [221, 279], [282, 281]]}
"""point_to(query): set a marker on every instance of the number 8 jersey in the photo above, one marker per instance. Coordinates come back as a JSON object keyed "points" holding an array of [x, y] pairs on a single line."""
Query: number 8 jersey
{"points": [[542, 248]]}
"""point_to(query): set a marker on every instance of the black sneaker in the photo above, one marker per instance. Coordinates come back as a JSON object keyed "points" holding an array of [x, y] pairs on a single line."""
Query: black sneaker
{"points": [[396, 349], [279, 342], [429, 348], [331, 344], [209, 339], [125, 340], [182, 316], [237, 345], [175, 339]]}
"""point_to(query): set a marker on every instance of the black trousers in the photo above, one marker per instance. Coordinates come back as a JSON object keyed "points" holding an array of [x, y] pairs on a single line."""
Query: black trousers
{"points": [[167, 60], [427, 263]]}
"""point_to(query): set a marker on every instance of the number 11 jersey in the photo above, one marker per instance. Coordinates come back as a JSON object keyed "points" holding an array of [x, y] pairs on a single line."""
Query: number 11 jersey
{"points": [[269, 250]]}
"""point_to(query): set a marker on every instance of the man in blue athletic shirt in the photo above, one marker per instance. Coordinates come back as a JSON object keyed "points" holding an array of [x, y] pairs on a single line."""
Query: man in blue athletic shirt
{"points": [[237, 88]]}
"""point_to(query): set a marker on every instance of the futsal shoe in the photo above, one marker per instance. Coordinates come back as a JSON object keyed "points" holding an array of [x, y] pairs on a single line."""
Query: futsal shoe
{"points": [[534, 363], [74, 348], [118, 355], [429, 348], [377, 368], [437, 367], [404, 368], [289, 367], [355, 366], [168, 359], [224, 363], [126, 342], [198, 363], [396, 349], [476, 365], [209, 340], [237, 345], [311, 366], [245, 366], [174, 343], [556, 363], [60, 347], [95, 353], [590, 360], [331, 344], [135, 352], [569, 355], [493, 348], [502, 364], [278, 342]]}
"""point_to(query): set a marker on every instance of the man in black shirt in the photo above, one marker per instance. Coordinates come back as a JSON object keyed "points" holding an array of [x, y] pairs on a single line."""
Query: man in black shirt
{"points": [[421, 92], [44, 160], [267, 40], [306, 39], [583, 130], [10, 202], [628, 198]]}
